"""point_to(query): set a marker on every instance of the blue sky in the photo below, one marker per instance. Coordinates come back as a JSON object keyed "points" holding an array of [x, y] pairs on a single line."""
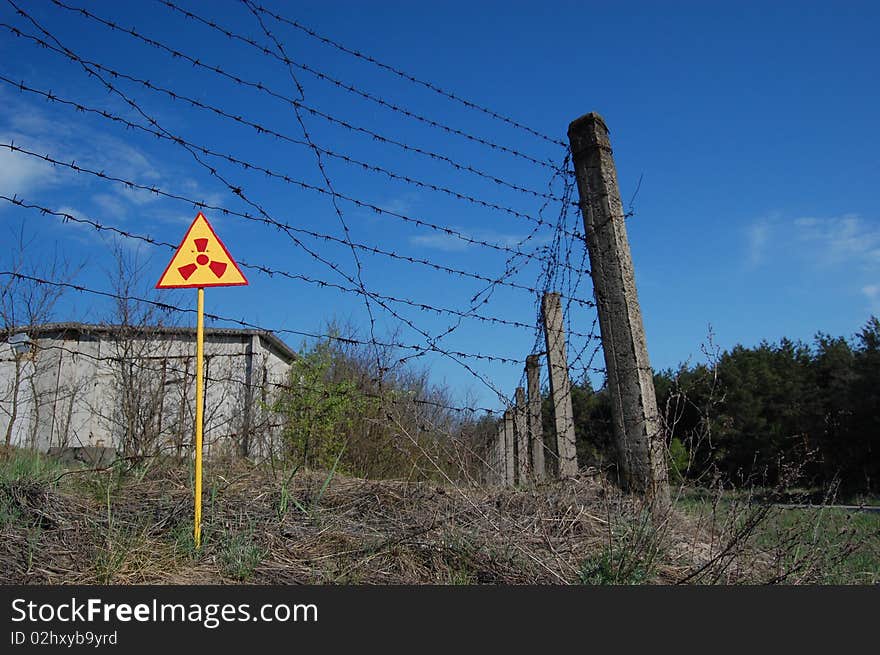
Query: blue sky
{"points": [[751, 126]]}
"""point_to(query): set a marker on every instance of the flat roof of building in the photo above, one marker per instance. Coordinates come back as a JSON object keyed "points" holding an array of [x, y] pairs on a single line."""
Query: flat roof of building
{"points": [[171, 330]]}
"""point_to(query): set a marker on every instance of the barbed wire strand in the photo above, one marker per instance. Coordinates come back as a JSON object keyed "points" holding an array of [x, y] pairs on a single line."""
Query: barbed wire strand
{"points": [[266, 270], [329, 185], [264, 130], [201, 205], [429, 339], [177, 54], [410, 78], [318, 74], [287, 179]]}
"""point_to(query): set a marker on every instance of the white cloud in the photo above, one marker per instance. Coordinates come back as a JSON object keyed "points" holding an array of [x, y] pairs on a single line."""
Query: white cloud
{"points": [[847, 245], [842, 239], [37, 130], [758, 236], [872, 293], [444, 242], [125, 160], [110, 204], [452, 243], [845, 239], [194, 190], [137, 197], [21, 174], [405, 203]]}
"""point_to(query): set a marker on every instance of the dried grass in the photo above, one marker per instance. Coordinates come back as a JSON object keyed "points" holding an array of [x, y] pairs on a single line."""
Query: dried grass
{"points": [[357, 531]]}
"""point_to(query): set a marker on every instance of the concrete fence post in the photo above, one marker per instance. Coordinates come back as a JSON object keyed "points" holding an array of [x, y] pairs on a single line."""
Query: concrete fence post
{"points": [[498, 464], [522, 438], [509, 450], [637, 428], [536, 429], [560, 384], [492, 450]]}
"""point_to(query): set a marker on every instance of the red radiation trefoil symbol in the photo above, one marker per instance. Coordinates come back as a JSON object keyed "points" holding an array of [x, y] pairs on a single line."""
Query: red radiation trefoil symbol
{"points": [[217, 268]]}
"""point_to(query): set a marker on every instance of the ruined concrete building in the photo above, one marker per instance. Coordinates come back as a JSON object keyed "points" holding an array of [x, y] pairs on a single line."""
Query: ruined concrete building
{"points": [[73, 385]]}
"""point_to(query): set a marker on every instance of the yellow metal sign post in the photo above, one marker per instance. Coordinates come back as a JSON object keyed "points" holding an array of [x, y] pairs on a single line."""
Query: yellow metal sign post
{"points": [[200, 415], [201, 261]]}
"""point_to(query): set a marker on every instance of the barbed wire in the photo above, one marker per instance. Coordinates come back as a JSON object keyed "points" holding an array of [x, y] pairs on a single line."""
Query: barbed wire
{"points": [[237, 190], [282, 57], [138, 359], [66, 216], [177, 54], [552, 257], [268, 131], [287, 179], [410, 78], [329, 185], [271, 272], [158, 191], [253, 326]]}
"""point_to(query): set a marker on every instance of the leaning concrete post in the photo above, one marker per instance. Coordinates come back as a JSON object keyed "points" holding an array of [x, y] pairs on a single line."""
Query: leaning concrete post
{"points": [[521, 422], [536, 429], [640, 441], [509, 458], [560, 384]]}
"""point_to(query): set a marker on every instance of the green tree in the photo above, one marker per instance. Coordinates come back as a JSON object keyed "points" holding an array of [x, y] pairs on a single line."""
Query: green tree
{"points": [[861, 450], [319, 410], [832, 406], [762, 414]]}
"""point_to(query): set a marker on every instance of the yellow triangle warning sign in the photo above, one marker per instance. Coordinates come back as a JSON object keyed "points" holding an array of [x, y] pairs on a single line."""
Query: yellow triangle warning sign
{"points": [[201, 260]]}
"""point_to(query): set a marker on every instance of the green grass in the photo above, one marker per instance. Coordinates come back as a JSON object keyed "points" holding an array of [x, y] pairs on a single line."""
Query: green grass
{"points": [[460, 577], [629, 557], [614, 567], [818, 545], [845, 544], [10, 512], [113, 548], [22, 466], [240, 554], [18, 465]]}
